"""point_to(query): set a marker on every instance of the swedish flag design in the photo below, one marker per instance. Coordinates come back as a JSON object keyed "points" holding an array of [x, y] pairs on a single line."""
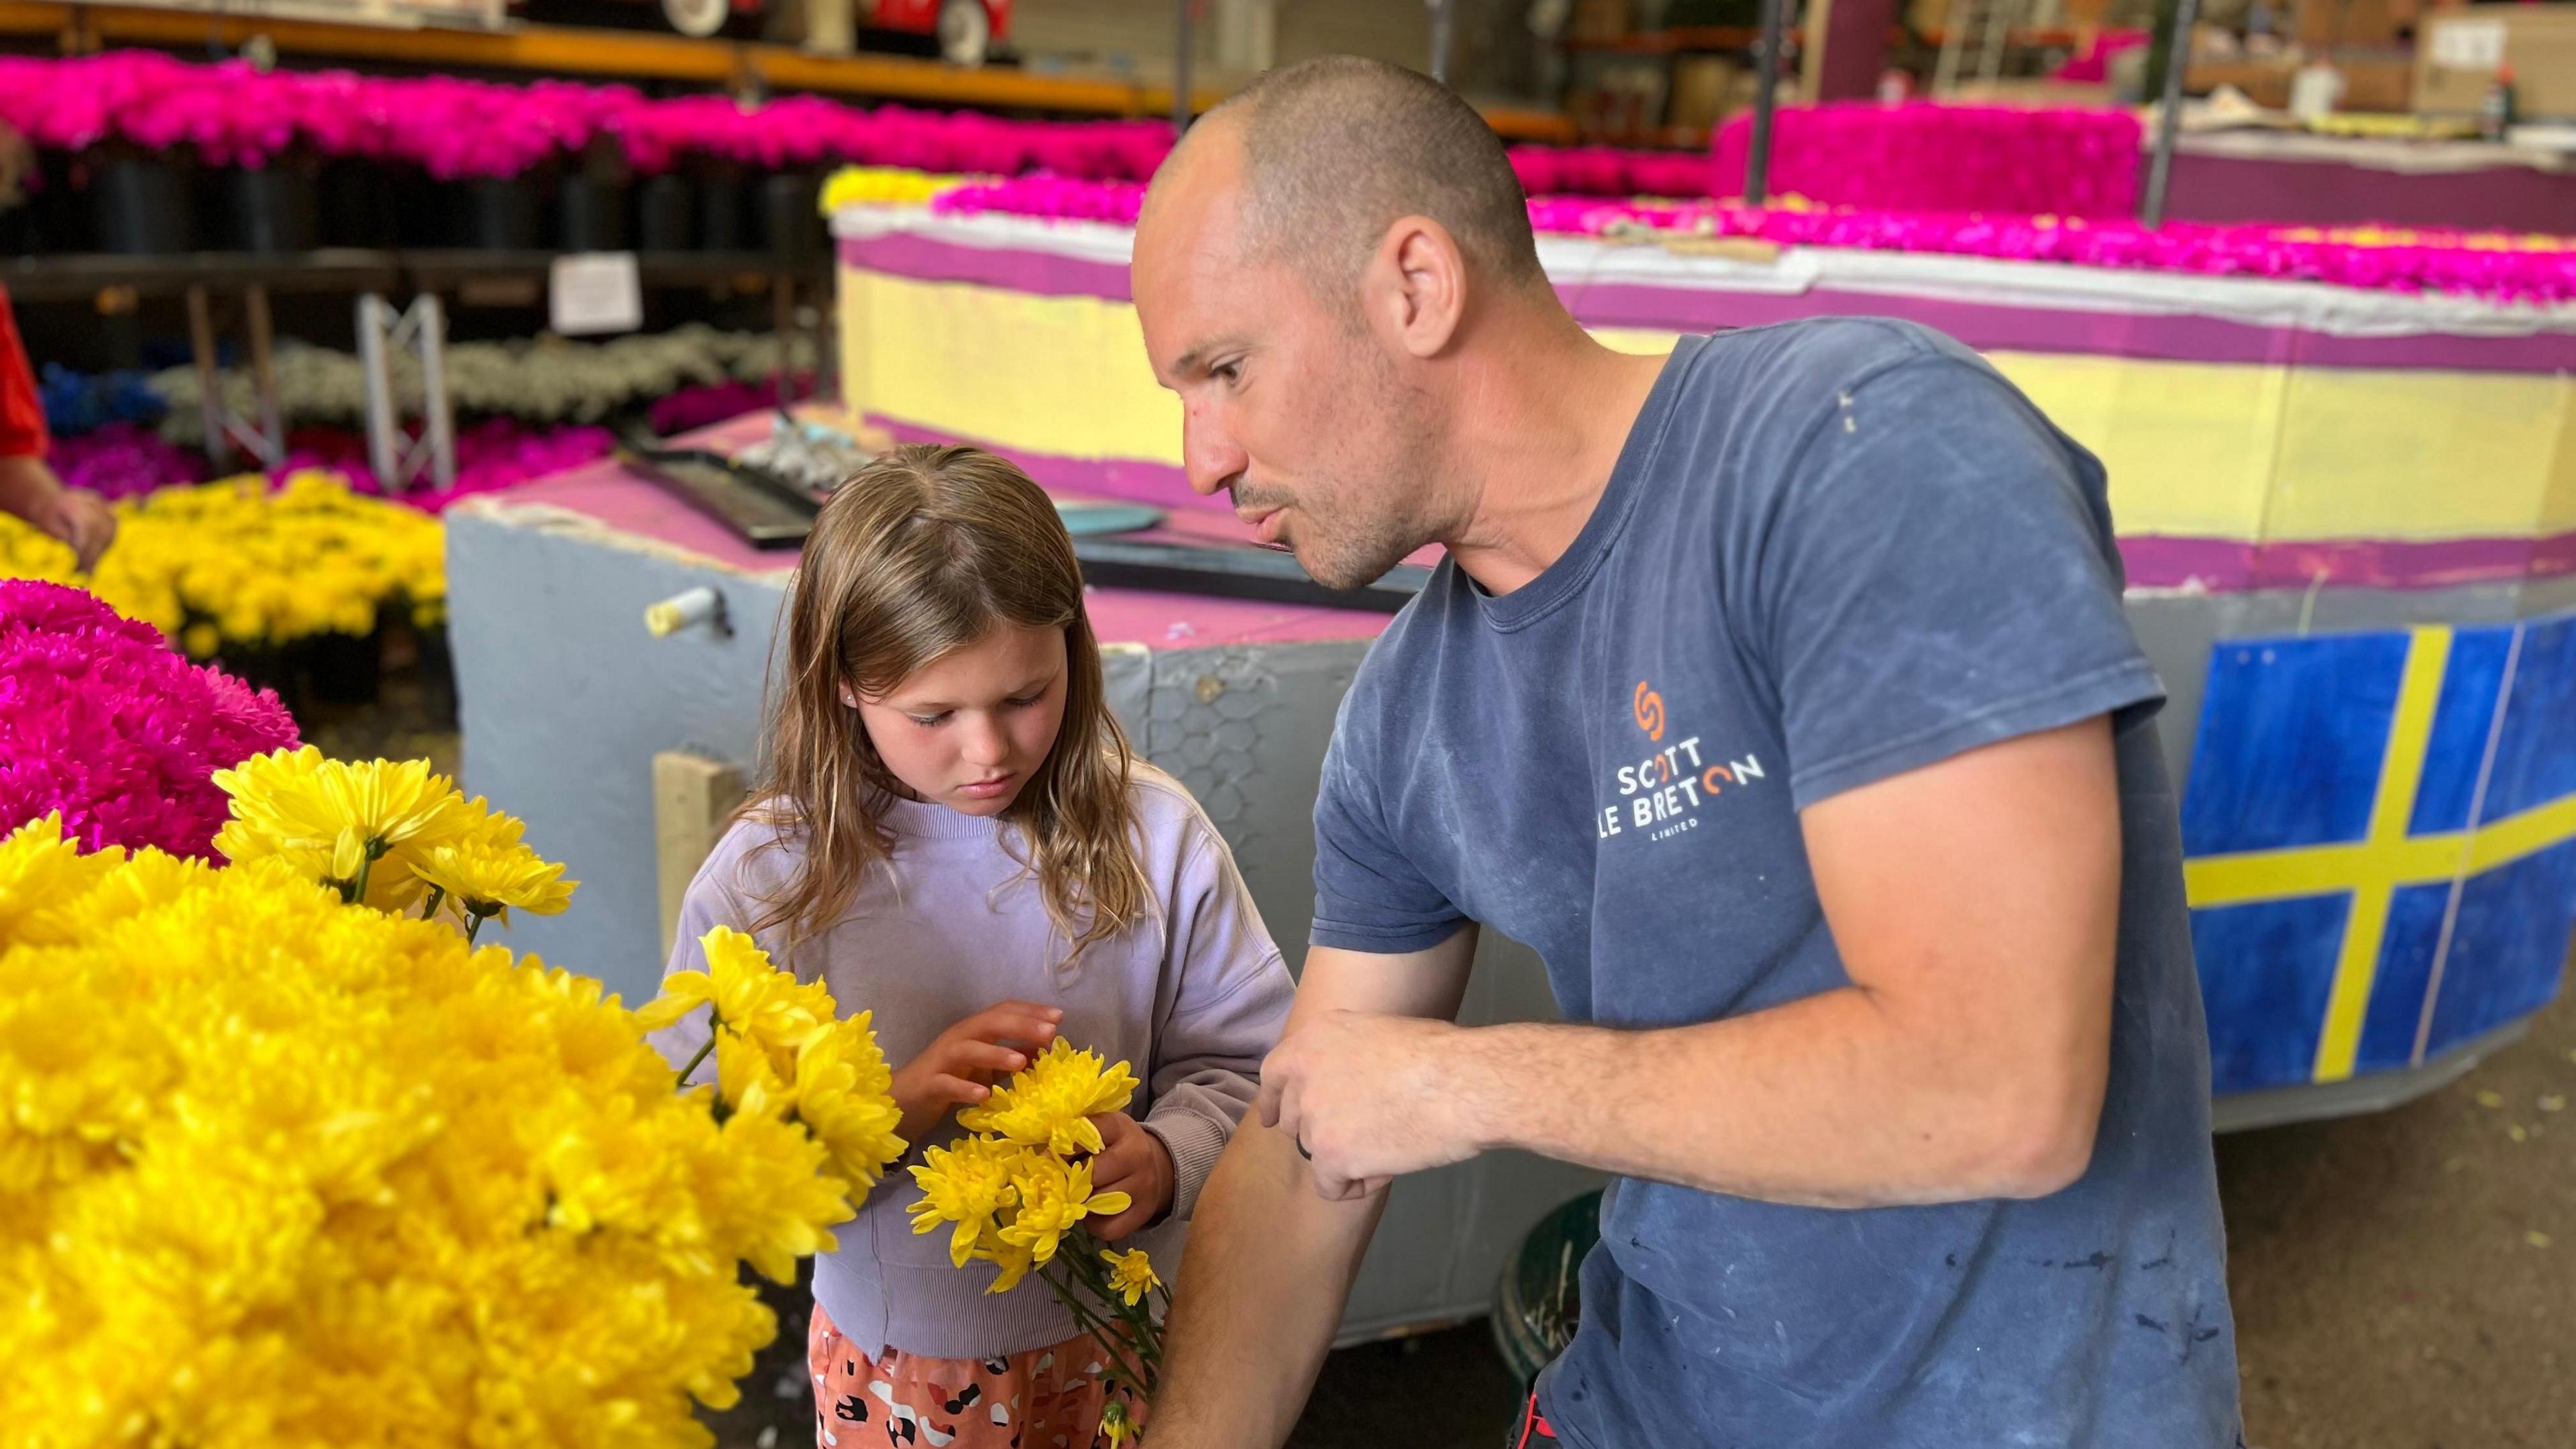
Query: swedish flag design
{"points": [[2380, 832]]}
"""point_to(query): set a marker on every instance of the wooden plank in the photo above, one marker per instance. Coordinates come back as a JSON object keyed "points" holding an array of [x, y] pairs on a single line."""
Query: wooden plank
{"points": [[693, 797]]}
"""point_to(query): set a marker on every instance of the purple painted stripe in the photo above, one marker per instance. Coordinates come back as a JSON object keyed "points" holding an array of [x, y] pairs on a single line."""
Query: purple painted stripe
{"points": [[906, 254], [1687, 309], [1989, 327], [2228, 566]]}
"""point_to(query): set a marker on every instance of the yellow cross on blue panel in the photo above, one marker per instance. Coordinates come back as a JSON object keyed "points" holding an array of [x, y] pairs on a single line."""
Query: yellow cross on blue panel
{"points": [[2381, 841]]}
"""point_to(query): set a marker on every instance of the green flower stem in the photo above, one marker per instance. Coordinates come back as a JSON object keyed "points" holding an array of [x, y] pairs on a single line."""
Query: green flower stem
{"points": [[473, 925], [437, 898], [366, 867], [1109, 1337], [712, 1024]]}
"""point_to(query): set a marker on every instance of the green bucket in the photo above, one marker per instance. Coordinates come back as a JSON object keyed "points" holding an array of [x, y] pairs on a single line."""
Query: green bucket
{"points": [[1535, 1304]]}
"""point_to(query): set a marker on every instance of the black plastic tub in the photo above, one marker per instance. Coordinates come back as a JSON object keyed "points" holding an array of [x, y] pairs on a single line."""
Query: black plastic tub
{"points": [[666, 208], [500, 213], [791, 223], [361, 204], [345, 668], [273, 208], [139, 202], [720, 210]]}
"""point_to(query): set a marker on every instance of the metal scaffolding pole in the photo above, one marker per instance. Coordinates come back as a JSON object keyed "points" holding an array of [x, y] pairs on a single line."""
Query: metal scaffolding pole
{"points": [[2169, 114], [1444, 28], [1180, 67], [1766, 100]]}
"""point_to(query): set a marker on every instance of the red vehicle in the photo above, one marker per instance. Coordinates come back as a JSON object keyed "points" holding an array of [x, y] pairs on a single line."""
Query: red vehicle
{"points": [[966, 31]]}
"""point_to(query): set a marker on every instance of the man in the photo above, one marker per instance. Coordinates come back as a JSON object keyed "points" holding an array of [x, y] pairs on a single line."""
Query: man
{"points": [[1780, 696], [28, 488]]}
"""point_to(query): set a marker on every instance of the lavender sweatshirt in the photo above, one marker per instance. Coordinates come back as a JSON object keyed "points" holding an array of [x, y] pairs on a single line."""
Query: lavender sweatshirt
{"points": [[1194, 996]]}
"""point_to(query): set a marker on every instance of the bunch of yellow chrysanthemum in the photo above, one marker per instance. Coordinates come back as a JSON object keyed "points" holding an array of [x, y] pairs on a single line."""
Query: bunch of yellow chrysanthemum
{"points": [[1016, 1190], [237, 562], [882, 186], [280, 1172], [780, 1053], [386, 833]]}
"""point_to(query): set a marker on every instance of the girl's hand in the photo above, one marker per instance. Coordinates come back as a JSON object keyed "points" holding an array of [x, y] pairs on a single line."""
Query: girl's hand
{"points": [[954, 1070], [1133, 1161]]}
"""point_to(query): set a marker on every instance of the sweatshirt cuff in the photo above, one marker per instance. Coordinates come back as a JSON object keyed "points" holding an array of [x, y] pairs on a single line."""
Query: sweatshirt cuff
{"points": [[1195, 1143]]}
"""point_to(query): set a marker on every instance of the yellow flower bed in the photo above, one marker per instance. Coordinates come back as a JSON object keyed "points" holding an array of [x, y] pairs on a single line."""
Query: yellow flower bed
{"points": [[235, 562], [882, 186], [278, 1169]]}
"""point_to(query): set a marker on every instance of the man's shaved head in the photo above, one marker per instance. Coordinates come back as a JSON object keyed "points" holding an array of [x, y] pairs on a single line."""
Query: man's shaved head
{"points": [[1335, 149]]}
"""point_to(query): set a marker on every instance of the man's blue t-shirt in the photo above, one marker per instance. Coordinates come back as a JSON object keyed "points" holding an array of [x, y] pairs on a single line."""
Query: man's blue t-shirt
{"points": [[1830, 552]]}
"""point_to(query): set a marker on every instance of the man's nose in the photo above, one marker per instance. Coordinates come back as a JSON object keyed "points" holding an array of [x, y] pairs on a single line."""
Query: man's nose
{"points": [[1209, 454]]}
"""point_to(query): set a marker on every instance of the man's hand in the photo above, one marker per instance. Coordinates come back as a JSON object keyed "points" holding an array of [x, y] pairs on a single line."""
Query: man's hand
{"points": [[1369, 1098], [1133, 1161], [957, 1069], [79, 518], [83, 520]]}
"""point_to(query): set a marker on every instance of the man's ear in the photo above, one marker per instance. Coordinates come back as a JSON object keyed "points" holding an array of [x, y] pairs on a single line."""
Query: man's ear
{"points": [[1414, 287]]}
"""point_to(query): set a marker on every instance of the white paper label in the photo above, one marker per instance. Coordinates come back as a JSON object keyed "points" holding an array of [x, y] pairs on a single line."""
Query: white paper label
{"points": [[2468, 44], [595, 292]]}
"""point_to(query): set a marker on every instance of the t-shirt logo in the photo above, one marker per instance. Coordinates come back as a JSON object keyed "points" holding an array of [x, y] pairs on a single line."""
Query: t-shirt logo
{"points": [[1648, 706], [1662, 794]]}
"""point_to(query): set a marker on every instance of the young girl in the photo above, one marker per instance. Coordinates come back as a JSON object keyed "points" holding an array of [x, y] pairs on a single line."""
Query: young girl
{"points": [[953, 833]]}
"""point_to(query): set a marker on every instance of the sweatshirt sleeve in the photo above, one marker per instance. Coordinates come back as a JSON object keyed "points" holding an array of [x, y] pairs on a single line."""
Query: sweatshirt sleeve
{"points": [[709, 903], [1229, 1007]]}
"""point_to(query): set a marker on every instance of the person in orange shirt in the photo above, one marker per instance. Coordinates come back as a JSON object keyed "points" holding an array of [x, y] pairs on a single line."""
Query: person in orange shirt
{"points": [[28, 488]]}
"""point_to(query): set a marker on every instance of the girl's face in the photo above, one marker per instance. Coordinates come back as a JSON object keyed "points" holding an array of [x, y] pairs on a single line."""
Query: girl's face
{"points": [[969, 729]]}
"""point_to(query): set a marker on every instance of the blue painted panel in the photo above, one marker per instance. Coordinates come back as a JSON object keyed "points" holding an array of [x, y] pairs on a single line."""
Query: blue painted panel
{"points": [[2471, 684], [2266, 968], [2536, 749], [2405, 970], [2291, 735], [2509, 946]]}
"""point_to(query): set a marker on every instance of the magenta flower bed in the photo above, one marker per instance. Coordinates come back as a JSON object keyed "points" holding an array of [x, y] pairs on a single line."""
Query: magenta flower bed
{"points": [[234, 115], [101, 721], [2018, 161]]}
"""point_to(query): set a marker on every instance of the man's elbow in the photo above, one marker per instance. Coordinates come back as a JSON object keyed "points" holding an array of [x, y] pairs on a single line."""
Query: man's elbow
{"points": [[2039, 1153]]}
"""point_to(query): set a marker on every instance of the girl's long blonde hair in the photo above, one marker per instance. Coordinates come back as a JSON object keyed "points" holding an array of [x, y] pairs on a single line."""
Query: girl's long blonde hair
{"points": [[924, 551]]}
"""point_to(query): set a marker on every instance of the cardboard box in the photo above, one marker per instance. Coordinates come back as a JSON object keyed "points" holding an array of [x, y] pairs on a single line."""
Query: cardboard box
{"points": [[1703, 90], [2322, 25], [2457, 53], [1598, 20]]}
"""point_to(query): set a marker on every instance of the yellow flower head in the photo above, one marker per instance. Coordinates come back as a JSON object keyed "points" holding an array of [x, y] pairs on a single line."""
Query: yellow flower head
{"points": [[486, 871], [340, 823], [966, 1185], [1115, 1426], [1055, 1196], [763, 1003], [1131, 1274], [43, 879], [845, 1097], [1049, 1103]]}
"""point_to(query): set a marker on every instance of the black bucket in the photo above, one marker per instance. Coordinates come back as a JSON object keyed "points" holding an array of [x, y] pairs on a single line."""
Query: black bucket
{"points": [[1534, 1303], [345, 668], [590, 212], [359, 204], [141, 205], [720, 212], [791, 221], [665, 214], [273, 208], [500, 214], [261, 666]]}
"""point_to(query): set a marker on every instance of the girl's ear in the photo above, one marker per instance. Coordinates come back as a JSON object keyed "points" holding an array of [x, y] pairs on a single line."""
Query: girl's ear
{"points": [[849, 696]]}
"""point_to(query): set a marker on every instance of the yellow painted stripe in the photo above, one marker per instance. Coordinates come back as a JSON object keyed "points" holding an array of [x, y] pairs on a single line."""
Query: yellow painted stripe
{"points": [[2528, 833], [2253, 452], [2315, 870], [2401, 769]]}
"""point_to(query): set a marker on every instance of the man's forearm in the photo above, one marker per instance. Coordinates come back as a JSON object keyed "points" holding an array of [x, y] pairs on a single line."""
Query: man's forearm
{"points": [[1824, 1101], [1261, 1290], [26, 485]]}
